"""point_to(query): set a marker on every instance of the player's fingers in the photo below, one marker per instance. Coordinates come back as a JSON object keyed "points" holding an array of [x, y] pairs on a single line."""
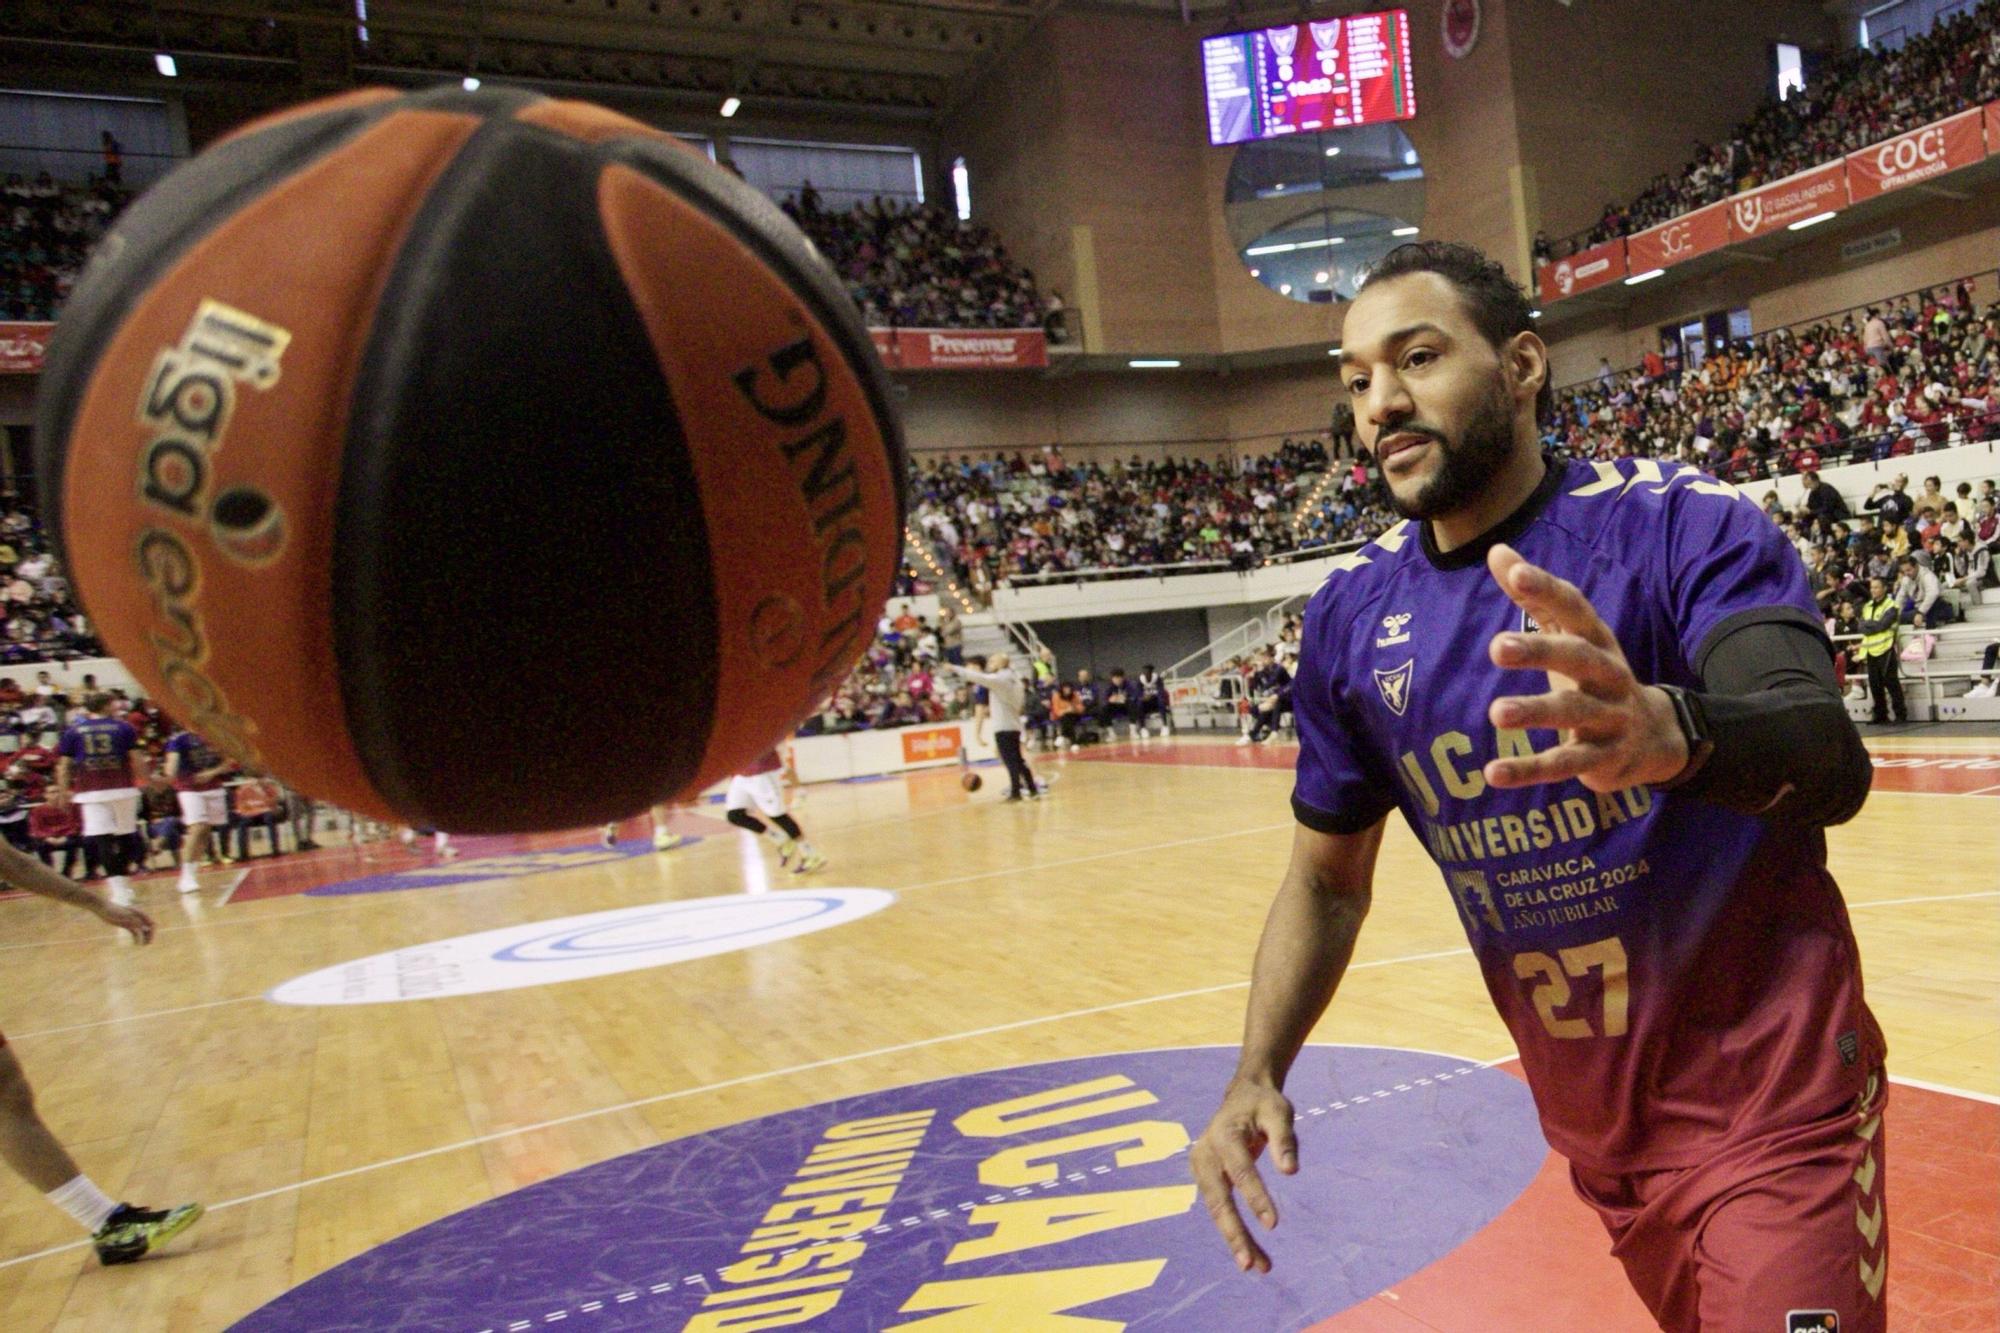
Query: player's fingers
{"points": [[1241, 1169], [1557, 765], [1566, 654], [1213, 1185], [1559, 710], [1556, 603], [1275, 1120]]}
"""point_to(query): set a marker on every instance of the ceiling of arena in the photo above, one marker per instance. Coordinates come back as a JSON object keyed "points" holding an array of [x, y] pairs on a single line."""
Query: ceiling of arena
{"points": [[909, 58]]}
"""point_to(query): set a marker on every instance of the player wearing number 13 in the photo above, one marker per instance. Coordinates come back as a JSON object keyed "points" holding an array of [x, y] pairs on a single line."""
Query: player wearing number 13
{"points": [[1601, 696]]}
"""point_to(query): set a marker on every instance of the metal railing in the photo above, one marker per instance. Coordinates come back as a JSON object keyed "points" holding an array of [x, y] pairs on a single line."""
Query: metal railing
{"points": [[1247, 637]]}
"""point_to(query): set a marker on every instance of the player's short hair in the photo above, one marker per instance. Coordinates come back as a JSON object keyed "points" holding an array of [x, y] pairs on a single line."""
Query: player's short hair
{"points": [[96, 701], [1495, 301]]}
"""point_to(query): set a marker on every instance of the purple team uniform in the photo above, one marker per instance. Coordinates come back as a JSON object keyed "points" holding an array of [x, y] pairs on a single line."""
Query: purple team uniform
{"points": [[1681, 979]]}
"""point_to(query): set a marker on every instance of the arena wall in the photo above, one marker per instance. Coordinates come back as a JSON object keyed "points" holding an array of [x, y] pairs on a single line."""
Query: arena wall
{"points": [[1611, 95], [1939, 245]]}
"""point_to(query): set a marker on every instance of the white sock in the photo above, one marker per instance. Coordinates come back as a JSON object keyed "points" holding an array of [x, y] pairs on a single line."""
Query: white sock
{"points": [[82, 1200], [777, 835], [440, 840]]}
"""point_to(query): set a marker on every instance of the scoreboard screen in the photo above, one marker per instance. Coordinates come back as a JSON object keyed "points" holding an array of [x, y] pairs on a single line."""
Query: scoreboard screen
{"points": [[1304, 77]]}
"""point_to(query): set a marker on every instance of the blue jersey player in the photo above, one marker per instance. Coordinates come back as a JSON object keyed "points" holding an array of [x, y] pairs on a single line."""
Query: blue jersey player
{"points": [[1601, 697]]}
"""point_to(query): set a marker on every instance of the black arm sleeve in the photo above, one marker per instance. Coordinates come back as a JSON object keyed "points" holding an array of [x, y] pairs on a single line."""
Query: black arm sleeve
{"points": [[1785, 748]]}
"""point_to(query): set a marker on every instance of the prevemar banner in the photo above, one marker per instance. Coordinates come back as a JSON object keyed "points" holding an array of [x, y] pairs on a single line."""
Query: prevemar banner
{"points": [[1778, 205], [1583, 270], [970, 349], [1941, 146], [1678, 241], [23, 347]]}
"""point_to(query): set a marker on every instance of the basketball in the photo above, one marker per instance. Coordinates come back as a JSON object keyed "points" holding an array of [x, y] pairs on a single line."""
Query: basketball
{"points": [[970, 780], [396, 441]]}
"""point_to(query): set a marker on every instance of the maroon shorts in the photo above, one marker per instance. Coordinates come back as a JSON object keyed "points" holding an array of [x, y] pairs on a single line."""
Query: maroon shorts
{"points": [[1786, 1234]]}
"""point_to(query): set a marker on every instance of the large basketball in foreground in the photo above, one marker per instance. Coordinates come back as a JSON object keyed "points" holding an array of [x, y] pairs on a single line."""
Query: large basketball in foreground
{"points": [[490, 462]]}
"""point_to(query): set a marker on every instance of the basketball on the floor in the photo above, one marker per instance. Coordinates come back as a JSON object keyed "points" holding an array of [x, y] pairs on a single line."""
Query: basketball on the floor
{"points": [[472, 459], [971, 781]]}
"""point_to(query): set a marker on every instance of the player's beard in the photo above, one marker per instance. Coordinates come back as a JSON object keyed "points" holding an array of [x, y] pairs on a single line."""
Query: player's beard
{"points": [[1464, 468]]}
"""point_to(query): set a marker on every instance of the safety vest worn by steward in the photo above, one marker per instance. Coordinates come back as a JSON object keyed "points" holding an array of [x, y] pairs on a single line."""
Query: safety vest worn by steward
{"points": [[1882, 641]]}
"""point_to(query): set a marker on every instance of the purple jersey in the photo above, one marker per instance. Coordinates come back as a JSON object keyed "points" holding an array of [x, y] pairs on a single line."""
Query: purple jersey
{"points": [[1675, 974], [96, 749], [197, 756]]}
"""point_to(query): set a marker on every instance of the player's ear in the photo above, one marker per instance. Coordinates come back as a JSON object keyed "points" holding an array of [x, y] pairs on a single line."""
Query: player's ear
{"points": [[1526, 358]]}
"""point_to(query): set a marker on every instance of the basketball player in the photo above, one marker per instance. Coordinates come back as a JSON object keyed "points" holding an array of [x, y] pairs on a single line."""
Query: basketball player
{"points": [[1637, 853], [664, 838], [100, 764], [1005, 692], [759, 787], [197, 771], [119, 1232]]}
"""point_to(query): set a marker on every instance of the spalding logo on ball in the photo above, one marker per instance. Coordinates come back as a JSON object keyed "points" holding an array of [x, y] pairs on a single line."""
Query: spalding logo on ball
{"points": [[485, 461]]}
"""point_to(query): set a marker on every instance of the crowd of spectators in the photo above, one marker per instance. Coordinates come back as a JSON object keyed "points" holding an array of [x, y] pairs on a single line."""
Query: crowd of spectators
{"points": [[46, 231], [1853, 99], [1920, 373], [39, 619], [992, 518], [921, 266]]}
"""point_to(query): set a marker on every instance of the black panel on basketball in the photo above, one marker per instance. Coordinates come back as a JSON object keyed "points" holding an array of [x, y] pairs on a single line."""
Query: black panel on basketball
{"points": [[518, 420]]}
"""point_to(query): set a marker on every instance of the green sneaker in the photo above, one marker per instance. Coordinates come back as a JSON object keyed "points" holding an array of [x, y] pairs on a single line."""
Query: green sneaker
{"points": [[130, 1233]]}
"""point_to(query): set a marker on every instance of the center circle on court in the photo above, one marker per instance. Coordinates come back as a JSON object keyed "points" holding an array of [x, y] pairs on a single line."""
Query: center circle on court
{"points": [[597, 944], [1023, 1195]]}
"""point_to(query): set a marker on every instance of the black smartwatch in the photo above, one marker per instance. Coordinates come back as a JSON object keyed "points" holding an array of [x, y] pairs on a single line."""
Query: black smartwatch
{"points": [[1694, 729]]}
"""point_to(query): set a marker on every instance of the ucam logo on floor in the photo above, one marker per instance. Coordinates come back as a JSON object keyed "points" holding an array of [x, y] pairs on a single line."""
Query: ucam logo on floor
{"points": [[539, 953], [1052, 1195]]}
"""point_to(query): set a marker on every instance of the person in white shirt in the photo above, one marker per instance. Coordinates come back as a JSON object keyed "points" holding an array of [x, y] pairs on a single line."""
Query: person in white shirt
{"points": [[1006, 695]]}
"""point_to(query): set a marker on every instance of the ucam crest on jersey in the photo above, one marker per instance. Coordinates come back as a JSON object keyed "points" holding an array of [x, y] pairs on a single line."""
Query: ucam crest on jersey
{"points": [[1395, 686]]}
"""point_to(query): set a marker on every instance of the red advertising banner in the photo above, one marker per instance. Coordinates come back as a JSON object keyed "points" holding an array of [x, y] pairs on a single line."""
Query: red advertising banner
{"points": [[22, 347], [1781, 203], [970, 349], [1941, 146], [1678, 241], [1993, 128], [1582, 271], [885, 345]]}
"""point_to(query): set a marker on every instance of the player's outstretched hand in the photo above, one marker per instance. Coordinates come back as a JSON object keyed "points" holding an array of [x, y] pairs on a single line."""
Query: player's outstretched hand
{"points": [[128, 918], [1224, 1161], [1616, 732]]}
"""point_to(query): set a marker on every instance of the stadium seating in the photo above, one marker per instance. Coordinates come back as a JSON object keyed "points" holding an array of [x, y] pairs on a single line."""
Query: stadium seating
{"points": [[1804, 398], [1856, 98]]}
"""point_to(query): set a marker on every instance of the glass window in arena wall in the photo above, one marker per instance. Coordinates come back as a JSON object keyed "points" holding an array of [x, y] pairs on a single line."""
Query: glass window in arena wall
{"points": [[1313, 213]]}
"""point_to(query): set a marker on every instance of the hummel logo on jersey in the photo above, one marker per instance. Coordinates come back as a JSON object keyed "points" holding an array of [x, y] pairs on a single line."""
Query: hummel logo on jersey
{"points": [[1397, 625], [1395, 686]]}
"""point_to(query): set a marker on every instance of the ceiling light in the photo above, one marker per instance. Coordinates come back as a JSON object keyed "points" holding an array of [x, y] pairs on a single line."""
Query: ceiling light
{"points": [[1256, 273], [1320, 276], [1333, 351], [471, 83], [730, 106], [1812, 221], [1406, 231], [1534, 314], [1284, 289], [1153, 365], [165, 64], [1409, 157], [1271, 249], [1647, 276], [1333, 152]]}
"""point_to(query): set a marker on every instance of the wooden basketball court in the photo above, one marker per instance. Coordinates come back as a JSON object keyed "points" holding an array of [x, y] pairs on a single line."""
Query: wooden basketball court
{"points": [[1117, 916]]}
